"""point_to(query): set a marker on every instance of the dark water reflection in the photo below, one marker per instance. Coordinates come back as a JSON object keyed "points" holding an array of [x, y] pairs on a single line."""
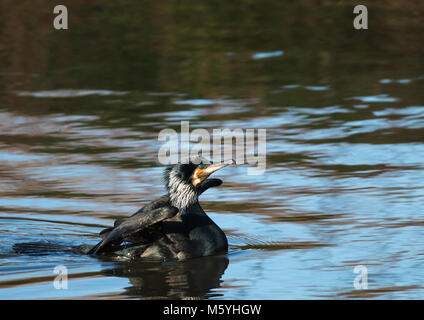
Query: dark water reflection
{"points": [[194, 279], [80, 112]]}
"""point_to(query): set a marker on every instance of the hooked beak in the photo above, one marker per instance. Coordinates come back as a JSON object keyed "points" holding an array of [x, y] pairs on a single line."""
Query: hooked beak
{"points": [[200, 175]]}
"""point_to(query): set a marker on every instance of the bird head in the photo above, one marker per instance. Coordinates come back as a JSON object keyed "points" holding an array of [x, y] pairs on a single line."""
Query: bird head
{"points": [[185, 182]]}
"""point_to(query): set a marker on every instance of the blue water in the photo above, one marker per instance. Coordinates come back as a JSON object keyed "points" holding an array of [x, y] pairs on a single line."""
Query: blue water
{"points": [[344, 114]]}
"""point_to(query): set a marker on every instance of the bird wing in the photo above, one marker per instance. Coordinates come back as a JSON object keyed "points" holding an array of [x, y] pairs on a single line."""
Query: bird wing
{"points": [[209, 183], [161, 202], [141, 220]]}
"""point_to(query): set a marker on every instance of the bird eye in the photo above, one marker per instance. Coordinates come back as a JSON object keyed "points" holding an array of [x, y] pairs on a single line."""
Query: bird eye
{"points": [[201, 166]]}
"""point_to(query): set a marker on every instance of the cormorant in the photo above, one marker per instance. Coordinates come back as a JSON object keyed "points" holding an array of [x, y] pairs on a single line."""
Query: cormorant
{"points": [[173, 227]]}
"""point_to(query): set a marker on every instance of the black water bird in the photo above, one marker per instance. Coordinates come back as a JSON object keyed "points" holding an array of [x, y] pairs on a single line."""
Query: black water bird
{"points": [[173, 227]]}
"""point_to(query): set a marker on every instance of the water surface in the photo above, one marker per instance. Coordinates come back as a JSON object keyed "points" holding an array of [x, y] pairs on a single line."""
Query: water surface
{"points": [[80, 112]]}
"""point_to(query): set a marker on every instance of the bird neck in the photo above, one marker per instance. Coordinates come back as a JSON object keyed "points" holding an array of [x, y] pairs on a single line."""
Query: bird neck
{"points": [[193, 209], [182, 196]]}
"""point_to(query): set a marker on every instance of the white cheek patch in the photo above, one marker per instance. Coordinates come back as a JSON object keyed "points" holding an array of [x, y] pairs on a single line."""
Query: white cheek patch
{"points": [[181, 194]]}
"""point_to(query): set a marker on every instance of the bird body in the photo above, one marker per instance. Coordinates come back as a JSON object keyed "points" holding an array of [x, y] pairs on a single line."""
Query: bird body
{"points": [[173, 227]]}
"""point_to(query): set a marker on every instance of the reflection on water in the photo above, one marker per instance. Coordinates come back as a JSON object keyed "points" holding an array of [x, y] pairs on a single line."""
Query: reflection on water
{"points": [[344, 113], [193, 279]]}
